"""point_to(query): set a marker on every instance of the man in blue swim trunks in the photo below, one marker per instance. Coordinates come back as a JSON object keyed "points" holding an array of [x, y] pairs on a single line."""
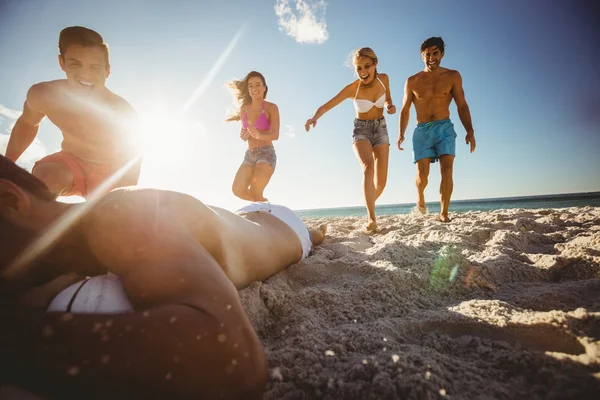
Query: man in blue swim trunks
{"points": [[432, 91]]}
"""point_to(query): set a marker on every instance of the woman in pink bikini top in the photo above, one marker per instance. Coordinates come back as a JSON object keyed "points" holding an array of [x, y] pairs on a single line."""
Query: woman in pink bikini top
{"points": [[260, 127]]}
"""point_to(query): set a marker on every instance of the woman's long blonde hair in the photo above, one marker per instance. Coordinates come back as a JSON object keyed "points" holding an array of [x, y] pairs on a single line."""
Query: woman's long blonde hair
{"points": [[241, 95]]}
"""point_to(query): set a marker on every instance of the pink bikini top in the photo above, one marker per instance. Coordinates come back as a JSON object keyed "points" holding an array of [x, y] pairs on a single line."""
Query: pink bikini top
{"points": [[262, 122]]}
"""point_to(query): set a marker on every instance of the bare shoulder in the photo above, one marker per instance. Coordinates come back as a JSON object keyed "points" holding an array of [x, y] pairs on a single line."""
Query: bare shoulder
{"points": [[42, 94], [270, 107], [383, 77], [119, 103]]}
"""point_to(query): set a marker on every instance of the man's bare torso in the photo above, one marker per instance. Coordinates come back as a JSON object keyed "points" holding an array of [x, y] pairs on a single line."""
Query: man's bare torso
{"points": [[97, 126], [432, 94]]}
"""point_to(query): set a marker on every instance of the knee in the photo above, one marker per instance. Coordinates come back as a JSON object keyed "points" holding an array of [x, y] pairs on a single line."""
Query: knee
{"points": [[238, 190], [446, 172], [380, 184], [368, 167], [421, 181]]}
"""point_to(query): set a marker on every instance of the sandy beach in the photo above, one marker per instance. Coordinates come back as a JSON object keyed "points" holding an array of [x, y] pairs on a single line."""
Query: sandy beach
{"points": [[495, 305]]}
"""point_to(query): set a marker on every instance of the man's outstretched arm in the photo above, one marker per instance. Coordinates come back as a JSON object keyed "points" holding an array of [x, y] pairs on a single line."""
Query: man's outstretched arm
{"points": [[27, 125]]}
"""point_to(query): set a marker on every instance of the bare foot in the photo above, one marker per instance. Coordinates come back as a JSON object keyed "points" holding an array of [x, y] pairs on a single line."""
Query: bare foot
{"points": [[323, 229], [445, 218], [371, 227]]}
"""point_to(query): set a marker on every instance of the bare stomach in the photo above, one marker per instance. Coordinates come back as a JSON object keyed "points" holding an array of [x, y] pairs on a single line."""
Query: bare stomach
{"points": [[253, 143], [373, 113]]}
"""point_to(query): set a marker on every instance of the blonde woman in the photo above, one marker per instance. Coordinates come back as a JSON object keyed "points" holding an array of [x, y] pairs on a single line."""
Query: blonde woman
{"points": [[370, 93], [260, 127]]}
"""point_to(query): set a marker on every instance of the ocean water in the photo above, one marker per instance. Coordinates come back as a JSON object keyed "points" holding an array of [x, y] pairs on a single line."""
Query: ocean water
{"points": [[546, 201]]}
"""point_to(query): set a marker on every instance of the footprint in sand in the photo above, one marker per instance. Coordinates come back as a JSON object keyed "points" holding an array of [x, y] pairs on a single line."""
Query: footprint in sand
{"points": [[538, 337]]}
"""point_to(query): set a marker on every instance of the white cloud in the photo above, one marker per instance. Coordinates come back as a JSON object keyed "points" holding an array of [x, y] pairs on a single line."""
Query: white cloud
{"points": [[306, 24], [289, 131], [33, 153], [8, 113]]}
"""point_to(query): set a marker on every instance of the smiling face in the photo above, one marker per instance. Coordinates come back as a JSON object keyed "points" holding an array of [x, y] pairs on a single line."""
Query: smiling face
{"points": [[85, 66], [365, 69], [432, 56], [256, 88]]}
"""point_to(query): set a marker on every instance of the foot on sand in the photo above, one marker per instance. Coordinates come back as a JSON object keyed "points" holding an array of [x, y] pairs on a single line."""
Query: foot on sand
{"points": [[371, 227], [323, 229], [445, 218], [420, 210]]}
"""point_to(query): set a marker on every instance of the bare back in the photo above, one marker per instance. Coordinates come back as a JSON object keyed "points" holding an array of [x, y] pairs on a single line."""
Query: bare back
{"points": [[247, 248], [96, 127], [432, 94]]}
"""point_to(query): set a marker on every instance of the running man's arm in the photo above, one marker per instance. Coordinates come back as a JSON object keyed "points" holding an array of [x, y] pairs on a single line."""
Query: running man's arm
{"points": [[405, 111], [463, 109], [344, 94], [27, 126], [189, 336]]}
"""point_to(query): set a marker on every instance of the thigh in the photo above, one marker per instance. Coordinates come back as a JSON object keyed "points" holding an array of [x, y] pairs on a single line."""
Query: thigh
{"points": [[423, 167], [364, 152], [61, 175], [381, 156], [446, 162], [243, 176], [262, 173]]}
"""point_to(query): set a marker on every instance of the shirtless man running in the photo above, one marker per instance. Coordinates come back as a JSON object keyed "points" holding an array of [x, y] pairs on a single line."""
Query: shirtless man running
{"points": [[181, 333], [432, 91], [96, 124]]}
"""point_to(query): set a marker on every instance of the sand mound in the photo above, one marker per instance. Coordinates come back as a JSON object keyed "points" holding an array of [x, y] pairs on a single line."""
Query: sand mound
{"points": [[502, 304]]}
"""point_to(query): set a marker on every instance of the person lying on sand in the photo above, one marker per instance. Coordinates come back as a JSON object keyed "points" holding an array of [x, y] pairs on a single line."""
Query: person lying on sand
{"points": [[184, 333]]}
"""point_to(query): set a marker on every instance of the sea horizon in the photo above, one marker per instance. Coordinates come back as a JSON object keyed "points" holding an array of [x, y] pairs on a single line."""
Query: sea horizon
{"points": [[559, 200]]}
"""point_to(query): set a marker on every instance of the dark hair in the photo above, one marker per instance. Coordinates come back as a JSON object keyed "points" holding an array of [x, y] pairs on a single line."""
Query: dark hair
{"points": [[16, 238], [240, 92], [433, 41], [78, 35], [23, 179]]}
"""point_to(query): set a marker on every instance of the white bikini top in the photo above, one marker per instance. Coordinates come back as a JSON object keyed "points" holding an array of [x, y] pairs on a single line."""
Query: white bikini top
{"points": [[364, 105]]}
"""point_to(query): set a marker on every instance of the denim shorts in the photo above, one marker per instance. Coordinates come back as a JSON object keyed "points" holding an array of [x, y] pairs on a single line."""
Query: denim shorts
{"points": [[373, 130], [260, 154]]}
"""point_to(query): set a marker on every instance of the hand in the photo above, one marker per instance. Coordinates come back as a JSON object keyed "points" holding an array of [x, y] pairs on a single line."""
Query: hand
{"points": [[310, 122], [391, 109], [252, 131], [400, 140], [470, 139], [244, 134]]}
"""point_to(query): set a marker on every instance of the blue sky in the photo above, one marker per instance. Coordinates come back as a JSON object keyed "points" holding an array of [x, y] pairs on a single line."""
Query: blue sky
{"points": [[530, 73]]}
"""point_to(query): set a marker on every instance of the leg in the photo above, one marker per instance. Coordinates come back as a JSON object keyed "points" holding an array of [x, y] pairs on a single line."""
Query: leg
{"points": [[364, 154], [57, 176], [446, 163], [381, 155], [262, 175], [318, 235], [241, 182], [421, 182]]}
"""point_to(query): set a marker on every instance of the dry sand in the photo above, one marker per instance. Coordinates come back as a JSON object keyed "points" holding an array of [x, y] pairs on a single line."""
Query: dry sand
{"points": [[502, 304]]}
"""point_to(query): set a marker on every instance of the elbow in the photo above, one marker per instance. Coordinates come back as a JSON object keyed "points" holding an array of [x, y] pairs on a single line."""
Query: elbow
{"points": [[251, 374]]}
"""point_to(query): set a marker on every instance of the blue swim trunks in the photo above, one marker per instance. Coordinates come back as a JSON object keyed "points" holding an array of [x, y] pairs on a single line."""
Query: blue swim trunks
{"points": [[434, 139]]}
